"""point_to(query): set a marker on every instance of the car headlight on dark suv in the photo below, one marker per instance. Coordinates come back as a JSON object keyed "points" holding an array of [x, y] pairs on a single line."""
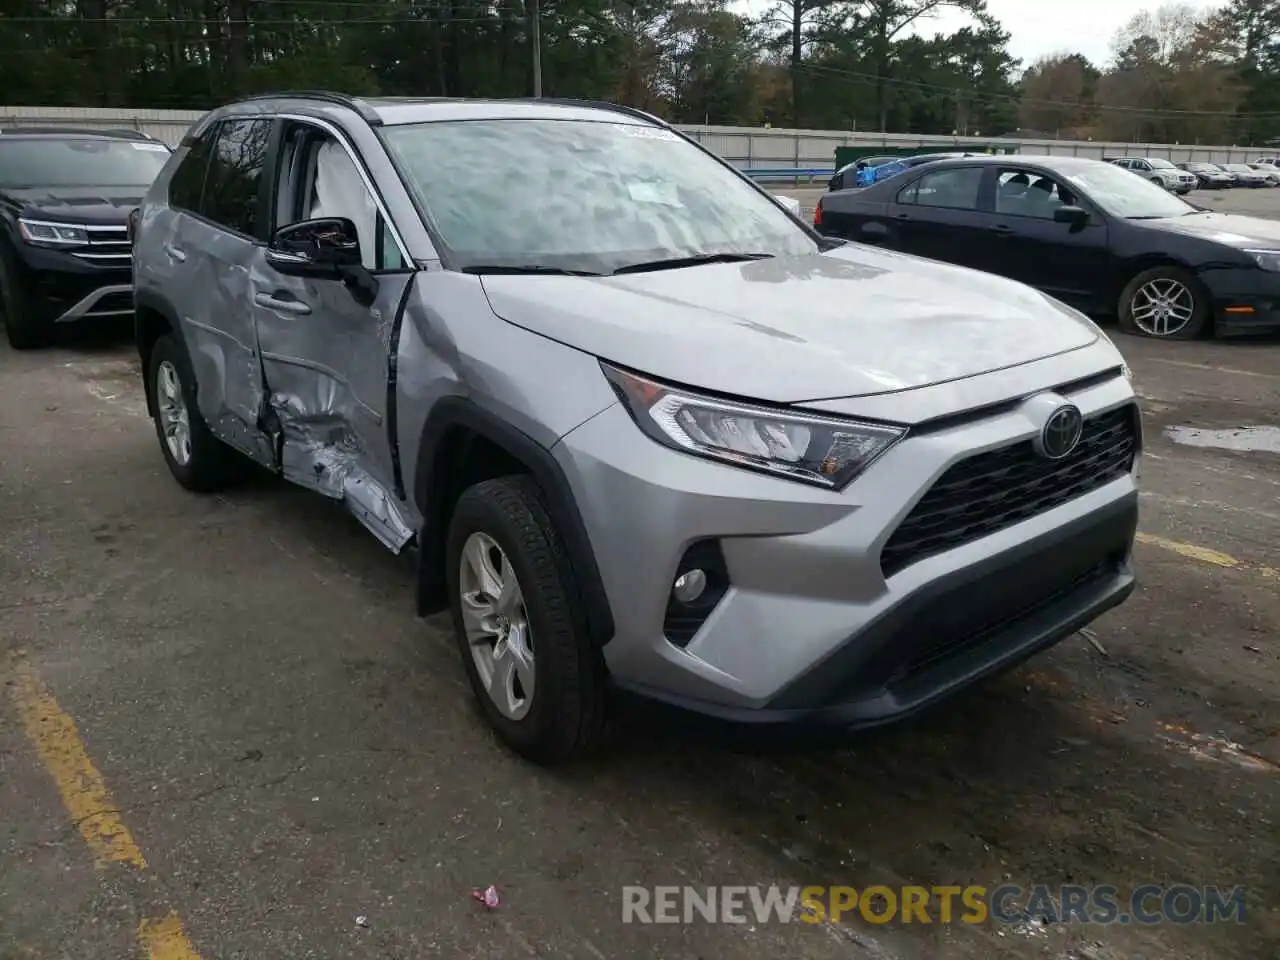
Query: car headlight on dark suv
{"points": [[824, 451], [42, 233]]}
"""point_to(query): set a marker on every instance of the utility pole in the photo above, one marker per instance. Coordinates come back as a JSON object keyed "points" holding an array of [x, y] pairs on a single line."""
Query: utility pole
{"points": [[536, 31]]}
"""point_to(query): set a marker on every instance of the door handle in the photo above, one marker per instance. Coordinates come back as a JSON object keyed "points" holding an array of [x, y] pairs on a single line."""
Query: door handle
{"points": [[1002, 231], [276, 303], [175, 253]]}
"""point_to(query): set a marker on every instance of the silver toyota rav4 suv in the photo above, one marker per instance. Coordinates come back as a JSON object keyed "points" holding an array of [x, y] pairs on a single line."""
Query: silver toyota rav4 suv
{"points": [[647, 431]]}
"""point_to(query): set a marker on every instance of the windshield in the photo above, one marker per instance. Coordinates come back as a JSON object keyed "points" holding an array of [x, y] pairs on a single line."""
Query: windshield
{"points": [[588, 196], [1159, 164], [1121, 194], [1239, 168], [71, 162]]}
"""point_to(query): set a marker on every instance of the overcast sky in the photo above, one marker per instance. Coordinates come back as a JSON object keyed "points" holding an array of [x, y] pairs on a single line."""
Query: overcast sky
{"points": [[1042, 27]]}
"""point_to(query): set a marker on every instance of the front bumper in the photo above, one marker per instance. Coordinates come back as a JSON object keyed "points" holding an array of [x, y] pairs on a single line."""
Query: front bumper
{"points": [[1245, 301], [811, 629], [62, 288]]}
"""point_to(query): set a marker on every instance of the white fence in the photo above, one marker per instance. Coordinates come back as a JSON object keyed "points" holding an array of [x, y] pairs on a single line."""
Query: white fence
{"points": [[743, 146]]}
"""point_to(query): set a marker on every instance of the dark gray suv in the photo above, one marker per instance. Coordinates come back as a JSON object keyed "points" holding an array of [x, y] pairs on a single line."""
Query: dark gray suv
{"points": [[645, 427]]}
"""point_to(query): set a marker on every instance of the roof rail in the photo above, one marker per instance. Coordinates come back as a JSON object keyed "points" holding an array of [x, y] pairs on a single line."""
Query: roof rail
{"points": [[367, 113], [597, 104], [73, 132]]}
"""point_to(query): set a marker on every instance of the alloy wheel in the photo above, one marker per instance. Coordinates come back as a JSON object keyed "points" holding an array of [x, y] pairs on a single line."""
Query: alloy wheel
{"points": [[497, 625], [174, 418], [1162, 307]]}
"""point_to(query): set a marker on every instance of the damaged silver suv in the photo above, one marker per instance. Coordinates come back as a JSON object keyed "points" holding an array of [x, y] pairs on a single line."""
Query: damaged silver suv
{"points": [[648, 431]]}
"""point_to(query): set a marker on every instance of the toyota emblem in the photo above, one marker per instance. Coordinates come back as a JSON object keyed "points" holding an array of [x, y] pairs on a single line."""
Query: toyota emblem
{"points": [[1061, 432]]}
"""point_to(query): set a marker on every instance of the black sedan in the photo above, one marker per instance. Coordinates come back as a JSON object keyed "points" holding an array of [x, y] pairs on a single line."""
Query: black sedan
{"points": [[1085, 232]]}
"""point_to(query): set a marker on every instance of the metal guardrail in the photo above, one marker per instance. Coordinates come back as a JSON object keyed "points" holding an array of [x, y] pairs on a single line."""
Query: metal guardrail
{"points": [[797, 174]]}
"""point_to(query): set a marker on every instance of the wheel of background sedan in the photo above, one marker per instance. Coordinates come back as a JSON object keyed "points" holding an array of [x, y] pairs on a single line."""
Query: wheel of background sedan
{"points": [[1165, 302]]}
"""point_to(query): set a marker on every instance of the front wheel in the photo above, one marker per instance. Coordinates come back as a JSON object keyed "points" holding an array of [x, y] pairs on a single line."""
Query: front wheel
{"points": [[519, 628], [1164, 302], [22, 328]]}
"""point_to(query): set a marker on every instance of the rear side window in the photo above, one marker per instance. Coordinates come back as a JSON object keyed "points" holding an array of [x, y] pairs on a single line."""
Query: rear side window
{"points": [[956, 189], [186, 187], [234, 194]]}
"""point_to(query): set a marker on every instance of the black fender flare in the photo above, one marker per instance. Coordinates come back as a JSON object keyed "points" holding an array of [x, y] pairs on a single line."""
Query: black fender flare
{"points": [[158, 303], [459, 412]]}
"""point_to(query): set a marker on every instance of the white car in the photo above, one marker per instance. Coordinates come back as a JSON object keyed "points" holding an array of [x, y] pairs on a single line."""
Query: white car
{"points": [[1270, 170]]}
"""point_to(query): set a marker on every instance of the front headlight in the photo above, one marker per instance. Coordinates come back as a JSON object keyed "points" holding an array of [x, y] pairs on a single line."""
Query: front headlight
{"points": [[1266, 259], [824, 451], [43, 233]]}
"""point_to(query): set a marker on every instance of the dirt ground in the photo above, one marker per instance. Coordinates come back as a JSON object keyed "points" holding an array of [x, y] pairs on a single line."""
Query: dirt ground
{"points": [[290, 749]]}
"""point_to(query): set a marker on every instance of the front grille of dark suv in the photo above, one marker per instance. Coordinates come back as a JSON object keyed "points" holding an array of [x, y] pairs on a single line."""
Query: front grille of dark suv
{"points": [[993, 490]]}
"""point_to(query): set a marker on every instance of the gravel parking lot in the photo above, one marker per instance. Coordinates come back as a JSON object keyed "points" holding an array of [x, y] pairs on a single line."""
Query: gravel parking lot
{"points": [[227, 736]]}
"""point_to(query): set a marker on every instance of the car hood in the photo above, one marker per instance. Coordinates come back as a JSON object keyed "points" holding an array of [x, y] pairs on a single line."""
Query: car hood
{"points": [[851, 322], [95, 205], [1230, 229]]}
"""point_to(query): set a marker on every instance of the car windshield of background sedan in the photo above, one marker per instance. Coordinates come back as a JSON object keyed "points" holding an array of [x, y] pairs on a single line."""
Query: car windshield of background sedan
{"points": [[1120, 194], [584, 196], [57, 162]]}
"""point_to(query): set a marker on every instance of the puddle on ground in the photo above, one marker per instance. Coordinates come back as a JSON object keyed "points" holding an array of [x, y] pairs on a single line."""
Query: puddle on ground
{"points": [[1244, 439]]}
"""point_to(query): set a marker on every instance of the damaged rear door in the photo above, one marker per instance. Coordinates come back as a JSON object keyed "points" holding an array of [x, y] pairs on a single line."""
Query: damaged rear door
{"points": [[326, 345]]}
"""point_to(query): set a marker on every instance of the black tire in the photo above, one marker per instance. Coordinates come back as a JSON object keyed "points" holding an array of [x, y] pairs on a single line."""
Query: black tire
{"points": [[212, 465], [566, 716], [1200, 303], [23, 331]]}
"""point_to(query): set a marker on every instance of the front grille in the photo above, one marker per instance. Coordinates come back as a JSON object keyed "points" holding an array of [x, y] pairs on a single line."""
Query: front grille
{"points": [[994, 490], [108, 245]]}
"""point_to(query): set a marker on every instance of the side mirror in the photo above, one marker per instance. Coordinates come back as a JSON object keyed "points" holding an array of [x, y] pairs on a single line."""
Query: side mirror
{"points": [[1076, 216], [316, 249]]}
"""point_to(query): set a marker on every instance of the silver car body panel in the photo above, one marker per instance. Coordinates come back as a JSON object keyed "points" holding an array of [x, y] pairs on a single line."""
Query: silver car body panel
{"points": [[339, 398]]}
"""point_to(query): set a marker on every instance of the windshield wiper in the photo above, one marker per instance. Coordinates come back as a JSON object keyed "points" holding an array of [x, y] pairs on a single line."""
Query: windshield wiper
{"points": [[672, 263], [527, 268]]}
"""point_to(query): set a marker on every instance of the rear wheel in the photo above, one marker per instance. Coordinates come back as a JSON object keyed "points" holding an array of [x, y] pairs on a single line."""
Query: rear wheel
{"points": [[197, 459], [1166, 303]]}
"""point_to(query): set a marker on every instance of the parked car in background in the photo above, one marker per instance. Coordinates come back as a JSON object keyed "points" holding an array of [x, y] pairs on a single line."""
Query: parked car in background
{"points": [[1159, 171], [846, 176], [874, 174], [646, 429], [64, 200], [1245, 175], [1083, 231], [1270, 171], [1209, 175]]}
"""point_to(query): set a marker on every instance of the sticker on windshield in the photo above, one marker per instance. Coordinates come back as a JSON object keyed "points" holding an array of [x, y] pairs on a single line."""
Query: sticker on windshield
{"points": [[153, 147], [654, 191], [648, 133]]}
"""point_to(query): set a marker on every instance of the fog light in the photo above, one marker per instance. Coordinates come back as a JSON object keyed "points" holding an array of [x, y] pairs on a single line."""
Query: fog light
{"points": [[689, 586]]}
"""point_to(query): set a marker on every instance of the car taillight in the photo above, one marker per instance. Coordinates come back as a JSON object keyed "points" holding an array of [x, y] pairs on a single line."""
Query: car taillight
{"points": [[817, 213]]}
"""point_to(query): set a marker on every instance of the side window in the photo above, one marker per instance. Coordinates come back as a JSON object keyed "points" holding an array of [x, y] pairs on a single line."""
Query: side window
{"points": [[319, 179], [1020, 193], [186, 186], [1141, 165], [233, 197], [956, 189]]}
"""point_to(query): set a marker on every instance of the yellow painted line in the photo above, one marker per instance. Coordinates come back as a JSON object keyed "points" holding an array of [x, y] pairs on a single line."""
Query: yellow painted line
{"points": [[164, 939], [84, 792], [1204, 555], [88, 802]]}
